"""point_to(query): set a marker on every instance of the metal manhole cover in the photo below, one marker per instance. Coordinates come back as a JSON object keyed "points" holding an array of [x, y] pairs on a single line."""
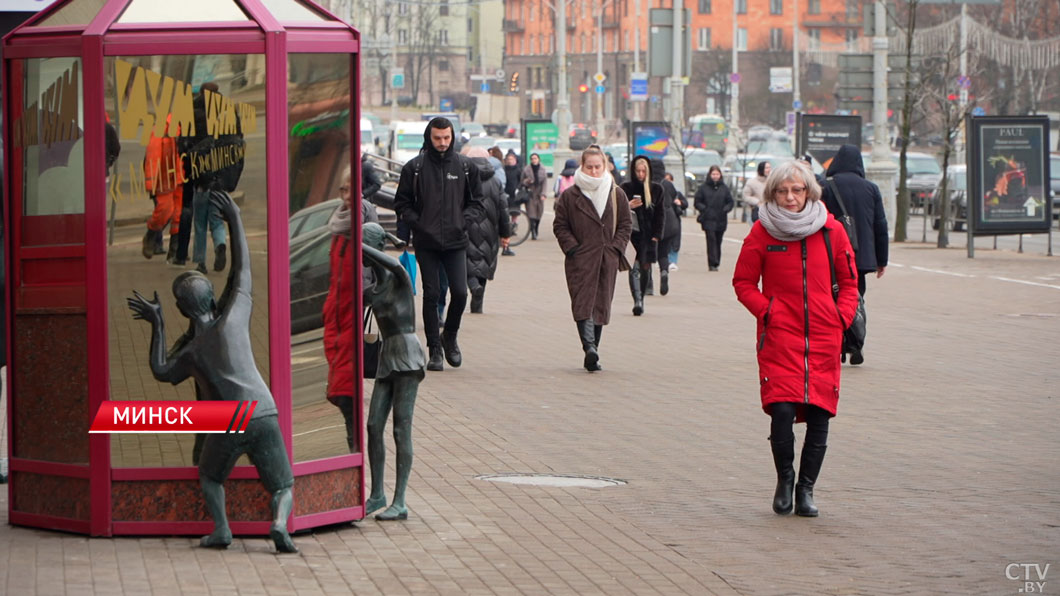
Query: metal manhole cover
{"points": [[554, 480]]}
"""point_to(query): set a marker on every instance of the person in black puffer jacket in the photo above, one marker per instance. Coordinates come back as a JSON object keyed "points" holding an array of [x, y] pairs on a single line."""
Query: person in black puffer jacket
{"points": [[713, 203], [484, 233]]}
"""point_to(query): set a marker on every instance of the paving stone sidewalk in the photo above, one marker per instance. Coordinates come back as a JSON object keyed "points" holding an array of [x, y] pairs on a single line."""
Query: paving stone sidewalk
{"points": [[943, 465]]}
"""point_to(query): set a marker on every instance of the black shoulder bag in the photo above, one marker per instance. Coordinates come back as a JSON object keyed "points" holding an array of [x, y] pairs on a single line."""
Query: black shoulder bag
{"points": [[845, 218], [854, 334]]}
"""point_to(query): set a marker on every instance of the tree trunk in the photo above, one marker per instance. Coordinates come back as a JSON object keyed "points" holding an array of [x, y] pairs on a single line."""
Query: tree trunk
{"points": [[902, 200]]}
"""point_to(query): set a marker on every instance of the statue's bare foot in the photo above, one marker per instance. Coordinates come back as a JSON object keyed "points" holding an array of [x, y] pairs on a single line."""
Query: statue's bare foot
{"points": [[393, 513], [373, 504], [220, 538], [282, 540]]}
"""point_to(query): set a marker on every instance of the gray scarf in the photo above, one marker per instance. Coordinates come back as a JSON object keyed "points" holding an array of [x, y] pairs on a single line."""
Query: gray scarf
{"points": [[788, 226], [340, 221]]}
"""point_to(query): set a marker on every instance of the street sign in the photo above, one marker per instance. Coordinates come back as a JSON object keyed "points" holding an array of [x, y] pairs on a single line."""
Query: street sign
{"points": [[599, 77], [734, 77], [780, 79], [796, 105], [397, 78], [600, 89], [445, 105], [484, 88], [499, 74], [638, 89], [978, 111]]}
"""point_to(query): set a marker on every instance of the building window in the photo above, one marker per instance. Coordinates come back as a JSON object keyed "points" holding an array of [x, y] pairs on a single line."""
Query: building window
{"points": [[776, 6], [443, 65], [403, 9], [741, 6], [403, 37], [813, 7], [776, 39], [815, 38], [443, 9], [704, 6], [741, 39], [443, 37], [852, 40], [470, 26], [853, 10], [704, 38]]}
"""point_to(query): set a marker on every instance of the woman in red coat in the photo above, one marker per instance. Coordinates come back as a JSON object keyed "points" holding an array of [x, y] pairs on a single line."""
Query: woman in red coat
{"points": [[800, 321]]}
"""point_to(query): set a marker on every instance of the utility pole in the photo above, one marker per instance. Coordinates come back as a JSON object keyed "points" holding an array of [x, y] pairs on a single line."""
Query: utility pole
{"points": [[796, 99], [601, 126], [961, 143], [734, 86], [677, 93], [637, 114], [562, 93], [882, 169]]}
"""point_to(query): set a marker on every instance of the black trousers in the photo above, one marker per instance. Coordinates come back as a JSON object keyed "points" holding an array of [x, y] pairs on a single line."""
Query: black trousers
{"points": [[861, 280], [184, 232], [454, 262], [783, 415], [714, 248]]}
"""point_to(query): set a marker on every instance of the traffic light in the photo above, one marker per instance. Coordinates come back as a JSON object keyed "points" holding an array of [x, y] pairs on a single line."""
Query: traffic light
{"points": [[513, 86], [583, 88]]}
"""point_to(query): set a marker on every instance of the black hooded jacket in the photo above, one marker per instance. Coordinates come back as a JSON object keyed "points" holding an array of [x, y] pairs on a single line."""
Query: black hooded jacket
{"points": [[863, 202], [713, 202], [438, 194], [484, 233], [649, 219]]}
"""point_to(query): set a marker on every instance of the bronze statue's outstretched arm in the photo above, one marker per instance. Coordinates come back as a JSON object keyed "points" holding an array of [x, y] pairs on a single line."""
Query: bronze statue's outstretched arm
{"points": [[239, 273], [151, 311], [377, 259]]}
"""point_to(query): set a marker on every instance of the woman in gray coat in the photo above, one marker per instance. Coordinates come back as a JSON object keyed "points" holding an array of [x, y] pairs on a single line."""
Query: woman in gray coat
{"points": [[592, 225], [535, 178]]}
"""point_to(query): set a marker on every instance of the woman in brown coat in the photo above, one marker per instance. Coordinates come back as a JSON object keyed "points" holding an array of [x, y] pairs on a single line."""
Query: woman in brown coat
{"points": [[592, 225], [535, 178]]}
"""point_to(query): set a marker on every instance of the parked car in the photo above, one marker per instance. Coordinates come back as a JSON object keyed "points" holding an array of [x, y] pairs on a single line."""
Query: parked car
{"points": [[738, 169], [923, 175], [471, 130], [697, 165], [484, 142], [514, 144], [581, 136], [957, 189], [620, 153]]}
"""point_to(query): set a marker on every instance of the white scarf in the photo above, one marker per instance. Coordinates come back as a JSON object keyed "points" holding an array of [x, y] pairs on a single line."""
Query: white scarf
{"points": [[340, 221], [788, 226], [598, 190]]}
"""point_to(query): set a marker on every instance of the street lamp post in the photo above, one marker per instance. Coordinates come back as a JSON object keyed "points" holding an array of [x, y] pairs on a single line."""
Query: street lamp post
{"points": [[734, 85], [882, 169], [600, 124]]}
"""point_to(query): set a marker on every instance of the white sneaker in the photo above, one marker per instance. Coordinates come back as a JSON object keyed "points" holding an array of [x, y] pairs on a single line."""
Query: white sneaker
{"points": [[673, 266]]}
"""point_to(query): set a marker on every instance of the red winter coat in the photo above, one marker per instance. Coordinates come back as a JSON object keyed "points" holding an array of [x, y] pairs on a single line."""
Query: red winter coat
{"points": [[800, 325], [339, 320]]}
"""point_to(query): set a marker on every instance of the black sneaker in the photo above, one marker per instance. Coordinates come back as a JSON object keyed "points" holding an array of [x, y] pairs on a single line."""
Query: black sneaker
{"points": [[452, 351], [856, 358], [220, 258], [201, 268], [434, 361], [508, 252]]}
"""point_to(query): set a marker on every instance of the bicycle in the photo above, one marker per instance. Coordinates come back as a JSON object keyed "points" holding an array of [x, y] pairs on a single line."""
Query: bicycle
{"points": [[520, 226]]}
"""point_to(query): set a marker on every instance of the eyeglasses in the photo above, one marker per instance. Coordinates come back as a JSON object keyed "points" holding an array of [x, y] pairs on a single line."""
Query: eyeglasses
{"points": [[794, 190]]}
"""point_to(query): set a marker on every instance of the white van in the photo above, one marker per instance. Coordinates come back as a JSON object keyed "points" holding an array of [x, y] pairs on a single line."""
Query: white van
{"points": [[367, 138], [406, 140]]}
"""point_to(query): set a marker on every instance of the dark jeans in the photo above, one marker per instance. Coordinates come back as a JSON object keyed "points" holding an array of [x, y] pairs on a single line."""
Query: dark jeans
{"points": [[861, 280], [454, 262], [783, 415], [184, 232], [662, 253], [714, 248]]}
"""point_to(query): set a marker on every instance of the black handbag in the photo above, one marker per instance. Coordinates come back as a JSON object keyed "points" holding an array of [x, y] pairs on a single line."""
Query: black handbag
{"points": [[854, 334], [372, 344], [846, 219]]}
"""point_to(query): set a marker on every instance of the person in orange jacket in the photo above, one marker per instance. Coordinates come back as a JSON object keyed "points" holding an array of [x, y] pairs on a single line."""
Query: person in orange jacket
{"points": [[164, 181]]}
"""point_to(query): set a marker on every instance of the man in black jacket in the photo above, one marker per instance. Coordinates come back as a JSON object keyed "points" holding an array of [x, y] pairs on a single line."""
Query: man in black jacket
{"points": [[864, 204], [436, 196]]}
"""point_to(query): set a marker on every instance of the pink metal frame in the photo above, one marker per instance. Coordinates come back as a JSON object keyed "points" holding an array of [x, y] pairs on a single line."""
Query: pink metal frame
{"points": [[103, 37]]}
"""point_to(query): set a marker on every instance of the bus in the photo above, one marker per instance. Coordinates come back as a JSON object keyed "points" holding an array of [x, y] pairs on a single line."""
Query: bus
{"points": [[710, 131]]}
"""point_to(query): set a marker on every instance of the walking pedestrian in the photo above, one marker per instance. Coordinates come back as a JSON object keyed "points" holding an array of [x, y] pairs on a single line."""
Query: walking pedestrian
{"points": [[436, 195], [566, 177], [592, 226], [671, 225], [163, 179], [535, 178], [488, 232], [680, 205], [790, 261], [862, 200], [753, 190], [713, 204], [646, 227]]}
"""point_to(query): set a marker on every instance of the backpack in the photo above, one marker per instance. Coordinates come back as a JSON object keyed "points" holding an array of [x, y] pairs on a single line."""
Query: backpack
{"points": [[417, 165]]}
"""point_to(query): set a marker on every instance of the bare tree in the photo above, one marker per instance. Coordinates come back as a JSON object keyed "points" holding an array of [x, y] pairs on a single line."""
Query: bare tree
{"points": [[423, 26], [909, 92]]}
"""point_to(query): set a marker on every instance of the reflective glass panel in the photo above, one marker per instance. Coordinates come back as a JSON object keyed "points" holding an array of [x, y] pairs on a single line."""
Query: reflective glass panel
{"points": [[183, 125], [323, 321], [51, 136], [78, 12], [291, 11], [156, 11]]}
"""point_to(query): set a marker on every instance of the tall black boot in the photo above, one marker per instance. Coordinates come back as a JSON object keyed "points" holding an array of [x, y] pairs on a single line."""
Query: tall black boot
{"points": [[809, 468], [649, 283], [597, 330], [783, 460], [636, 288], [664, 282], [587, 334], [477, 295]]}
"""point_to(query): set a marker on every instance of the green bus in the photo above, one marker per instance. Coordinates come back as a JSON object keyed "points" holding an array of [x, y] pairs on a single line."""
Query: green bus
{"points": [[709, 131]]}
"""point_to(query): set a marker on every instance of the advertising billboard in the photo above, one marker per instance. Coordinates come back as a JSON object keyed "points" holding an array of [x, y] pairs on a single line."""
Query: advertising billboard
{"points": [[540, 137], [821, 135], [1008, 173]]}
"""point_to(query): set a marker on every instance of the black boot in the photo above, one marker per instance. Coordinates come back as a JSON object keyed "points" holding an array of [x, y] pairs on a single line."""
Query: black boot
{"points": [[648, 283], [452, 351], [809, 468], [434, 361], [783, 460], [664, 282], [597, 330], [171, 254], [148, 247], [159, 248], [636, 288], [587, 333]]}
